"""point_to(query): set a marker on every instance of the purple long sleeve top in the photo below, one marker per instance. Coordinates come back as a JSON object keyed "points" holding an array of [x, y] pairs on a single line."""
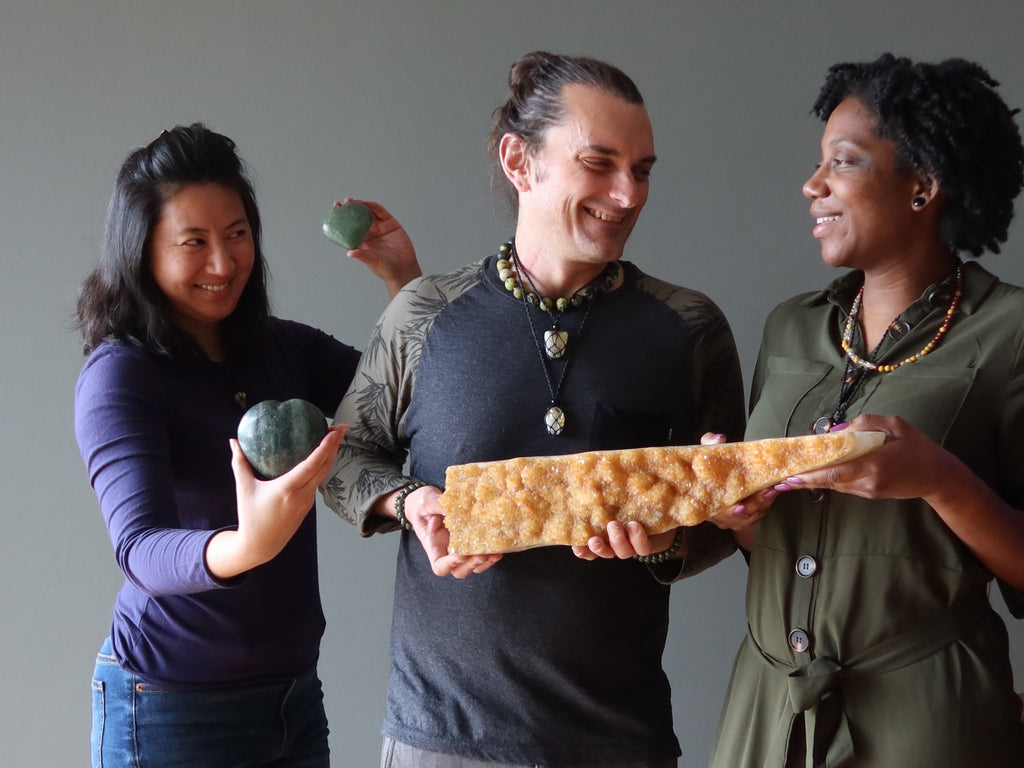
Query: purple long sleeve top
{"points": [[153, 433]]}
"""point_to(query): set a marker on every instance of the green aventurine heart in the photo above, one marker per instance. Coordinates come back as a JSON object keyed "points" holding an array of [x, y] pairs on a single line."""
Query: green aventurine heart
{"points": [[276, 436], [347, 224]]}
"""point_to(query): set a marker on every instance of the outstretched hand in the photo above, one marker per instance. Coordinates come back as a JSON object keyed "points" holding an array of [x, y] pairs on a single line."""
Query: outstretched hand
{"points": [[269, 511], [387, 250], [423, 511], [908, 465]]}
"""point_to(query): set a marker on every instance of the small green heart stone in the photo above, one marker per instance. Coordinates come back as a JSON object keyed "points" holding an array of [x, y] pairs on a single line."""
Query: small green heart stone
{"points": [[347, 224]]}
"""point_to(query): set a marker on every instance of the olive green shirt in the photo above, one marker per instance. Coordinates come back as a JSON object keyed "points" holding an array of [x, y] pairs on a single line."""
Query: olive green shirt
{"points": [[849, 585]]}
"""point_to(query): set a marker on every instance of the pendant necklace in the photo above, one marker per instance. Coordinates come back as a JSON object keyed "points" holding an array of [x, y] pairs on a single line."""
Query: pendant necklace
{"points": [[554, 416], [227, 376], [858, 368], [555, 344]]}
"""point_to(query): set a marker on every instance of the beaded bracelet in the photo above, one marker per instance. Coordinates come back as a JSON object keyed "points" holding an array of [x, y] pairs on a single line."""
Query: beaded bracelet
{"points": [[404, 491], [668, 554]]}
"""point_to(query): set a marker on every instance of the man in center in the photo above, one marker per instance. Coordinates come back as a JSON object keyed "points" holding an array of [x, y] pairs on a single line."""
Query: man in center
{"points": [[551, 345]]}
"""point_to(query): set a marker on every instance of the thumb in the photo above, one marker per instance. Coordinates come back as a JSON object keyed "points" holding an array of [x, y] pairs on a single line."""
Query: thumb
{"points": [[244, 477]]}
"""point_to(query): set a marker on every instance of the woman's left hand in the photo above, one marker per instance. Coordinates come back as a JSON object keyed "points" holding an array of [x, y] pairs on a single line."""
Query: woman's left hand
{"points": [[906, 466], [910, 465]]}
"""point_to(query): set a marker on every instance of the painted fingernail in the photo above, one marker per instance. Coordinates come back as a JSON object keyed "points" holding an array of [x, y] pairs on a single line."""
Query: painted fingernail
{"points": [[794, 481], [739, 509], [839, 427], [771, 493]]}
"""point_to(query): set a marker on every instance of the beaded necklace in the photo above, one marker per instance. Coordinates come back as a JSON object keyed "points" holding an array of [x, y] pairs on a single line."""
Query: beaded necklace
{"points": [[509, 261], [556, 340], [851, 322], [857, 367]]}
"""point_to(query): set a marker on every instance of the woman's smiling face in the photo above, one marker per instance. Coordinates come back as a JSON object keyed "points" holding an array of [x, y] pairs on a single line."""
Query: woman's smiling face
{"points": [[201, 255], [861, 198]]}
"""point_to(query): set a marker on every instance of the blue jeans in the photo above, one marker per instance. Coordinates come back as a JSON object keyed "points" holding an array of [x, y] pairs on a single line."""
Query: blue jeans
{"points": [[280, 724]]}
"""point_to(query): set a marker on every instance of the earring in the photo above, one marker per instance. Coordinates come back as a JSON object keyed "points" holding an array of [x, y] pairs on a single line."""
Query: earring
{"points": [[919, 202]]}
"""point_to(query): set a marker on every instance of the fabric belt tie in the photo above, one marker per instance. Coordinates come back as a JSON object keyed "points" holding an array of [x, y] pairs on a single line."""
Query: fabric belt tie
{"points": [[816, 688]]}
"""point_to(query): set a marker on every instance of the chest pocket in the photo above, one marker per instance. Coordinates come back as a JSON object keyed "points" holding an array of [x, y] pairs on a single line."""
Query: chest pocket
{"points": [[615, 428], [797, 392], [788, 383]]}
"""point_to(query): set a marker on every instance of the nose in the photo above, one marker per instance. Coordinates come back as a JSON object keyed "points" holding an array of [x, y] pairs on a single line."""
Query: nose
{"points": [[221, 261], [815, 186], [627, 191]]}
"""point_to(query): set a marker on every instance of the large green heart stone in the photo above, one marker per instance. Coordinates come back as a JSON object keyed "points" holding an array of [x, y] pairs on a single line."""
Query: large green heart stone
{"points": [[276, 436], [348, 223]]}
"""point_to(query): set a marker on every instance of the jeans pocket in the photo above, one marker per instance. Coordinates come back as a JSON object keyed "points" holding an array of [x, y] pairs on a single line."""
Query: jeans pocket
{"points": [[99, 714]]}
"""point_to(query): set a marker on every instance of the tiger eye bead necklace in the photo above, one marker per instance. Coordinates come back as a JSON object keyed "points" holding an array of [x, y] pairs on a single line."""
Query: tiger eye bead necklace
{"points": [[854, 315], [858, 367]]}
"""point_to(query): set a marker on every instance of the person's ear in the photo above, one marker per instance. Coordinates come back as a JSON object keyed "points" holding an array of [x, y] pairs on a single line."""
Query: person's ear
{"points": [[925, 191], [514, 155]]}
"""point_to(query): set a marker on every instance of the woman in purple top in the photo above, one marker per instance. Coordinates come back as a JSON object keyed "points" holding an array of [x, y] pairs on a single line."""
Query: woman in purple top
{"points": [[211, 659]]}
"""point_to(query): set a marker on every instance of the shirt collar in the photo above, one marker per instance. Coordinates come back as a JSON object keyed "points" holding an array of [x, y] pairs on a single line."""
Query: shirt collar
{"points": [[978, 283]]}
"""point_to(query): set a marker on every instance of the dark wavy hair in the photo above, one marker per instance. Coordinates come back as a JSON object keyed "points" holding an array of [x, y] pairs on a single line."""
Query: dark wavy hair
{"points": [[120, 300], [946, 121], [536, 81]]}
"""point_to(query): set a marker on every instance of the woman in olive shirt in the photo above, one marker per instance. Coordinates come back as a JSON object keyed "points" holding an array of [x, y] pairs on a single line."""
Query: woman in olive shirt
{"points": [[872, 641]]}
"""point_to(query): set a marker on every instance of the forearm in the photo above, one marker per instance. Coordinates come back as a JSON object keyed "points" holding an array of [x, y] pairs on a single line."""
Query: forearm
{"points": [[395, 282], [361, 487], [990, 527], [226, 556]]}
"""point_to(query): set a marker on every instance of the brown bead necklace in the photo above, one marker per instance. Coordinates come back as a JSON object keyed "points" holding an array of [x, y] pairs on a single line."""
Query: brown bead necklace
{"points": [[858, 367]]}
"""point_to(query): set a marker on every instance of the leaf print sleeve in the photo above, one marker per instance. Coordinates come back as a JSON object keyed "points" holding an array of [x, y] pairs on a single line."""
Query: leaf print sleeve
{"points": [[369, 463]]}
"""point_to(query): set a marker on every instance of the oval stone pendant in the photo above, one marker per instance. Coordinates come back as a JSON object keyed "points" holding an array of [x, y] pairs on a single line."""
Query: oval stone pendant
{"points": [[554, 420], [555, 343]]}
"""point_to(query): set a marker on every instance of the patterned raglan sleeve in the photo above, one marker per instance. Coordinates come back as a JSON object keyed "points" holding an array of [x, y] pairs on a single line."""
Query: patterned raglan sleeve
{"points": [[370, 461], [718, 399]]}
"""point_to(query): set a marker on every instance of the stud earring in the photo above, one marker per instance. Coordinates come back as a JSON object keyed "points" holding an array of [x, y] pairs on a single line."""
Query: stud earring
{"points": [[919, 202]]}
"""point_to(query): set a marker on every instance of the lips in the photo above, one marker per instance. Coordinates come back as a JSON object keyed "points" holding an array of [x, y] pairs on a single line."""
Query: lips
{"points": [[822, 222], [605, 216]]}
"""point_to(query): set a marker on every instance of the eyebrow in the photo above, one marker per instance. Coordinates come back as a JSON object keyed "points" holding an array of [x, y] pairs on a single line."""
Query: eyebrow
{"points": [[603, 150], [844, 139], [239, 221]]}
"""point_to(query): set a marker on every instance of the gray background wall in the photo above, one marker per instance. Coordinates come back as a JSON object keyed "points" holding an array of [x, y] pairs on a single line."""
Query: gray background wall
{"points": [[389, 100]]}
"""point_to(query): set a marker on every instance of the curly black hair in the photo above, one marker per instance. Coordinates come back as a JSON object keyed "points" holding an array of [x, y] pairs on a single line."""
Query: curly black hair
{"points": [[947, 121]]}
